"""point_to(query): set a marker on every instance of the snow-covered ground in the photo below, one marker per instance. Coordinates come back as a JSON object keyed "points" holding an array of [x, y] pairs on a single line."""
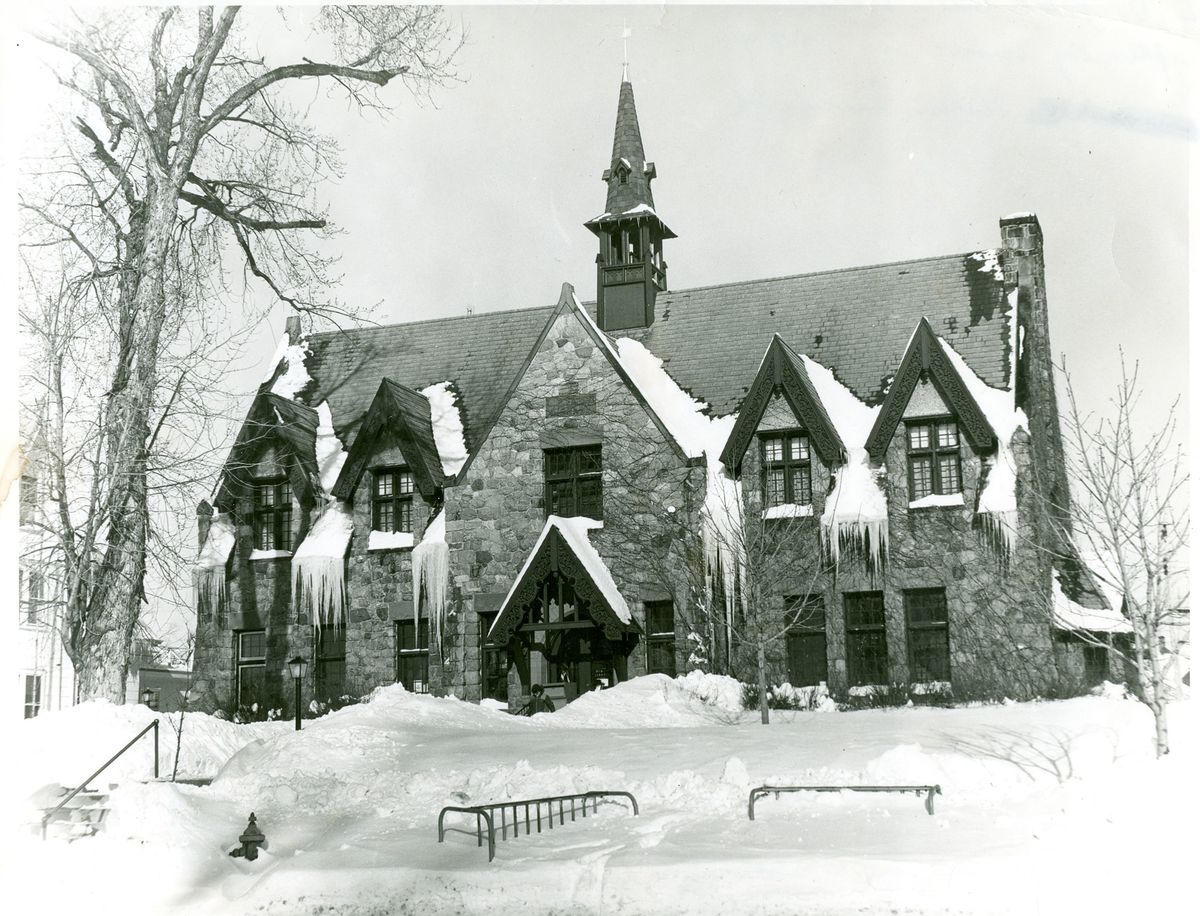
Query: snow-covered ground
{"points": [[1053, 807]]}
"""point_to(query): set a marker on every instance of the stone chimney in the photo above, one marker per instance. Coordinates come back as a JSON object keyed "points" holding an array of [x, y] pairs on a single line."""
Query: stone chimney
{"points": [[291, 327], [204, 513]]}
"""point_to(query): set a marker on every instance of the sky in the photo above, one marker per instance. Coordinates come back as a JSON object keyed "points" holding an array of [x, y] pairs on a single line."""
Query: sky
{"points": [[787, 139]]}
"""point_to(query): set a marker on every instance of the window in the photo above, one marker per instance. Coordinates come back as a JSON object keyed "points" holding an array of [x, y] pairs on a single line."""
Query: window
{"points": [[251, 666], [33, 695], [573, 481], [30, 498], [1095, 665], [934, 466], [928, 635], [391, 500], [412, 655], [330, 679], [660, 637], [273, 515], [787, 470], [807, 662], [493, 662], [866, 639], [34, 597]]}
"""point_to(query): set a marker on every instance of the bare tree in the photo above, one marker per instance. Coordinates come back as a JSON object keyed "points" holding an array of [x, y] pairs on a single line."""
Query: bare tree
{"points": [[1128, 514], [181, 147]]}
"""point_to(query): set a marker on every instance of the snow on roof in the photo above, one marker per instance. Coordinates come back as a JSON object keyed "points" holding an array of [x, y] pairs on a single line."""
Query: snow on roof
{"points": [[331, 455], [851, 417], [447, 427], [1023, 214], [219, 543], [575, 532], [296, 376], [990, 261], [681, 414], [1071, 616], [640, 208], [329, 535]]}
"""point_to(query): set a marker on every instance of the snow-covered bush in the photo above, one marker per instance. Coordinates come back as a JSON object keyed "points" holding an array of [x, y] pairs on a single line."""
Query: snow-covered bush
{"points": [[785, 696]]}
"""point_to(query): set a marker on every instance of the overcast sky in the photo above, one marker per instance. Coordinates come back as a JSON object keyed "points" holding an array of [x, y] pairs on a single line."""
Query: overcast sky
{"points": [[787, 139]]}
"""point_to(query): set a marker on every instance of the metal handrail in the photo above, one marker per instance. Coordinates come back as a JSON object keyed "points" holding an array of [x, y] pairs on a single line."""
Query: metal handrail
{"points": [[62, 804], [487, 813], [927, 791]]}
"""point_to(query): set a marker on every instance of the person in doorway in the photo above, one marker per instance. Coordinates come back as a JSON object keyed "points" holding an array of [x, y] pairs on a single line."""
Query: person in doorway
{"points": [[538, 701]]}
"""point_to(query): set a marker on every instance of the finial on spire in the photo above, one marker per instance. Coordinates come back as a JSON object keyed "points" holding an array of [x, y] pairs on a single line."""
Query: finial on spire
{"points": [[626, 32]]}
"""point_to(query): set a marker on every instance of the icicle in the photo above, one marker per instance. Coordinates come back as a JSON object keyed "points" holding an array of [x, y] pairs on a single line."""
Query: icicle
{"points": [[210, 586], [209, 573], [319, 566], [431, 575], [855, 515], [998, 501]]}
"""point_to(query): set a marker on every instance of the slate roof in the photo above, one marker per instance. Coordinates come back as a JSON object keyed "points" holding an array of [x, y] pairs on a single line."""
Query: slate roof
{"points": [[856, 321], [627, 145]]}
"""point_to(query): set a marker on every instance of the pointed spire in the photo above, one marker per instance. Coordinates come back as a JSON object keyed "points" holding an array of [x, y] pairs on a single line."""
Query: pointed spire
{"points": [[628, 174]]}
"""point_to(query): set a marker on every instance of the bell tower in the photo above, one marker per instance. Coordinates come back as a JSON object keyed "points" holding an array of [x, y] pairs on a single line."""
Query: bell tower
{"points": [[630, 270]]}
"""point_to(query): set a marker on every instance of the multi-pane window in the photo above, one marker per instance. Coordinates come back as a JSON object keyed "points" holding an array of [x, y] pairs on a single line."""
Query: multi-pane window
{"points": [[392, 500], [493, 662], [660, 637], [934, 465], [330, 674], [273, 515], [412, 655], [30, 498], [251, 666], [928, 635], [807, 662], [33, 695], [866, 639], [573, 481], [34, 596], [787, 469]]}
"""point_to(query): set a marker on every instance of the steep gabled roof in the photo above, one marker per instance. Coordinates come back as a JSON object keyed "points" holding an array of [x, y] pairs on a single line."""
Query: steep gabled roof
{"points": [[563, 548], [405, 414], [569, 304], [782, 369], [857, 322], [273, 418], [925, 357]]}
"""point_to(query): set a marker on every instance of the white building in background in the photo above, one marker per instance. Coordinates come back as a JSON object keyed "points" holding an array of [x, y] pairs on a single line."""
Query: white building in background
{"points": [[45, 677]]}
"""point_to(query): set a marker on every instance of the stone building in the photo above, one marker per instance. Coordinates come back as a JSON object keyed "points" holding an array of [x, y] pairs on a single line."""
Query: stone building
{"points": [[834, 472]]}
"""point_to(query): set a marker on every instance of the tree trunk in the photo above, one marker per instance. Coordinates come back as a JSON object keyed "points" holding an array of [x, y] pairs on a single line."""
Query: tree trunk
{"points": [[106, 635], [1161, 747], [763, 711]]}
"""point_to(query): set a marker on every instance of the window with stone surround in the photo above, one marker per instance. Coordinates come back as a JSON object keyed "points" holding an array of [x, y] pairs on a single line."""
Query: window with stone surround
{"points": [[330, 673], [866, 639], [573, 481], [786, 469], [273, 514], [391, 499], [928, 635], [660, 637], [934, 464], [251, 671], [493, 661], [806, 644], [412, 655]]}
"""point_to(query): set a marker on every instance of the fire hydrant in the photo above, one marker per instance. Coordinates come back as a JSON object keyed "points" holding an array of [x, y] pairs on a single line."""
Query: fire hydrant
{"points": [[251, 839]]}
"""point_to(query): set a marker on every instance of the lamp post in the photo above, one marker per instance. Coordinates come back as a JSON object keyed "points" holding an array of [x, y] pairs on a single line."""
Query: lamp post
{"points": [[297, 665]]}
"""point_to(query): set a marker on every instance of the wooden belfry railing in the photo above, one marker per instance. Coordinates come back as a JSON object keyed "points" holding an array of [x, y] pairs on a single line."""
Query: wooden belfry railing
{"points": [[487, 814]]}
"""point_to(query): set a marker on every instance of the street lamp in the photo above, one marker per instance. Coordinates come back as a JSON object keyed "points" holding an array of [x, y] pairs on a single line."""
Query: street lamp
{"points": [[297, 665]]}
